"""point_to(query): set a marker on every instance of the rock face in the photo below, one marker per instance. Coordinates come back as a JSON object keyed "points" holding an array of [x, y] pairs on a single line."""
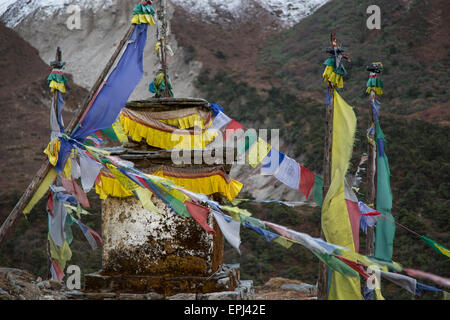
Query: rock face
{"points": [[87, 50]]}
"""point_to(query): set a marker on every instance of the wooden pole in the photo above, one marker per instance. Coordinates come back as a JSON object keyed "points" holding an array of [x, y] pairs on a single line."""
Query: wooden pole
{"points": [[322, 287], [371, 188], [10, 221], [162, 16]]}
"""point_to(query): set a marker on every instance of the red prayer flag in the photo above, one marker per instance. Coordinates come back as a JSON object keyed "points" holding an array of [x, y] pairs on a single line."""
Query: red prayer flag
{"points": [[50, 205], [95, 235], [200, 214], [358, 267], [58, 271], [232, 126], [355, 218], [80, 195], [307, 179], [68, 185]]}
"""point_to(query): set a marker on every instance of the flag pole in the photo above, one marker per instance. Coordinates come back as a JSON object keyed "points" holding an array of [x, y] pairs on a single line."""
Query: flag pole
{"points": [[162, 16], [43, 171], [334, 80], [374, 68], [322, 284], [371, 171]]}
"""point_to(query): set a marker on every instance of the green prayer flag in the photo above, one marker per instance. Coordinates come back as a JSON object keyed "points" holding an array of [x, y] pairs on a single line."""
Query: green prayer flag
{"points": [[436, 246], [336, 264], [318, 190], [385, 229]]}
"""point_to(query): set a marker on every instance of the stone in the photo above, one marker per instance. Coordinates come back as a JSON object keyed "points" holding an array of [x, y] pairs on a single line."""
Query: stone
{"points": [[75, 294], [223, 283], [43, 285], [4, 295], [55, 285], [225, 295], [154, 296], [302, 287], [247, 290], [100, 295], [183, 296], [132, 296]]}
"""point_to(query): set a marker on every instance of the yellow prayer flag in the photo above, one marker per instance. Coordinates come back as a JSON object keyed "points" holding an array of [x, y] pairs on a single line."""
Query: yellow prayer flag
{"points": [[335, 218], [120, 132], [258, 151], [145, 196], [41, 191], [285, 242]]}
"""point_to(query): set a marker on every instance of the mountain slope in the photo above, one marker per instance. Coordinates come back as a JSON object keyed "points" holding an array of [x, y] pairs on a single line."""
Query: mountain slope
{"points": [[413, 45], [24, 109]]}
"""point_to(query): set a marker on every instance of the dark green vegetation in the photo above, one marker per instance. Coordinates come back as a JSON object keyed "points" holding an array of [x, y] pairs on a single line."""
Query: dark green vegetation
{"points": [[412, 45], [418, 153]]}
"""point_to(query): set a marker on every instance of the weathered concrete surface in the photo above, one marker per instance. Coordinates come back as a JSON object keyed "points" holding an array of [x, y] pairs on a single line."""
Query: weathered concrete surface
{"points": [[141, 242]]}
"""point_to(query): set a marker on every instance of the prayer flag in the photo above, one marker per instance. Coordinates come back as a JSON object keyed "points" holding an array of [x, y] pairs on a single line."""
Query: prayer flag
{"points": [[258, 152], [271, 162], [230, 229], [436, 246], [200, 214], [336, 222], [289, 173], [307, 179], [385, 230]]}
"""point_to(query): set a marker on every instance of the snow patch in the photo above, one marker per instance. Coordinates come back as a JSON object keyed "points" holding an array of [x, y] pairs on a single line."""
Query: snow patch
{"points": [[14, 11], [289, 12]]}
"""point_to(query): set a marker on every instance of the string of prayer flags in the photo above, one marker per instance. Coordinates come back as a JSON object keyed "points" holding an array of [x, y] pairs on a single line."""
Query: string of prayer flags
{"points": [[90, 169], [258, 151], [271, 163], [247, 141], [232, 127], [307, 179], [220, 120], [445, 282], [230, 229], [405, 282], [436, 246], [144, 196], [357, 266], [421, 287], [289, 173], [91, 236], [200, 214], [269, 236]]}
